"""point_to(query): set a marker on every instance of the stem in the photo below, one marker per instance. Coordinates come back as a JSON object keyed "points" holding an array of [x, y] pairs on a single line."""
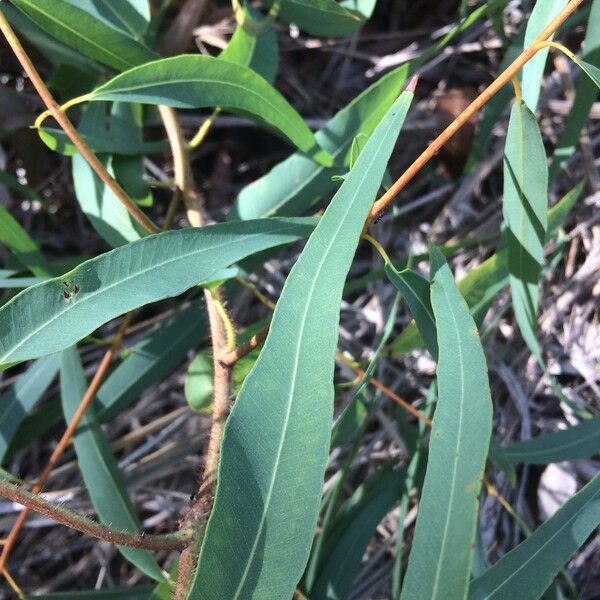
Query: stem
{"points": [[230, 358], [67, 435], [85, 525], [475, 106], [69, 129]]}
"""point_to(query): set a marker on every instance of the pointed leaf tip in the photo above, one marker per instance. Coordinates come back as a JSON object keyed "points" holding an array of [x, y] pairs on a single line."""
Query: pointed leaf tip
{"points": [[412, 84]]}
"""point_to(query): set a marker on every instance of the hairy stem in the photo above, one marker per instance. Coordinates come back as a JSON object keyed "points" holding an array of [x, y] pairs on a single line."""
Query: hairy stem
{"points": [[85, 525]]}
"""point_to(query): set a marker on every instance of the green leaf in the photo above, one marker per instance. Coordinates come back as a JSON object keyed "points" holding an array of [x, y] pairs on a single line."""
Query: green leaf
{"points": [[528, 570], [198, 385], [296, 183], [585, 95], [14, 237], [533, 71], [416, 291], [525, 216], [149, 361], [98, 466], [286, 402], [442, 551], [318, 17], [55, 314], [56, 52], [579, 441], [191, 81], [19, 399], [352, 533], [131, 17], [257, 52], [81, 31], [590, 70]]}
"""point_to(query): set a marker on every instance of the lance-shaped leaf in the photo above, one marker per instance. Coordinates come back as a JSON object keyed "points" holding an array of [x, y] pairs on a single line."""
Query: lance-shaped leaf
{"points": [[318, 17], [442, 551], [55, 314], [528, 570], [81, 31], [192, 81], [269, 493], [525, 215], [579, 441], [98, 466]]}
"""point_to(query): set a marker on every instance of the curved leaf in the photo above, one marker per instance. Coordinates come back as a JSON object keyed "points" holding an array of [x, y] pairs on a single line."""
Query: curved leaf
{"points": [[442, 551], [192, 81], [525, 215], [527, 571], [286, 402], [98, 466], [55, 314], [131, 17], [579, 441], [81, 31], [318, 17]]}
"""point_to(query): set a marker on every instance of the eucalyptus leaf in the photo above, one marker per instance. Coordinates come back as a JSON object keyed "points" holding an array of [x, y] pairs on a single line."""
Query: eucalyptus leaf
{"points": [[83, 32], [131, 17], [193, 81], [55, 314], [286, 402], [442, 551]]}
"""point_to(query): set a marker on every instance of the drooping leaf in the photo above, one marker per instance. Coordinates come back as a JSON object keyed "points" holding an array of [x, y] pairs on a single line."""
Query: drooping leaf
{"points": [[318, 17], [585, 95], [286, 401], [131, 17], [18, 399], [297, 182], [192, 81], [442, 550], [525, 216], [591, 71], [83, 32], [14, 237], [57, 313], [542, 13], [416, 291], [528, 570], [98, 466], [579, 441]]}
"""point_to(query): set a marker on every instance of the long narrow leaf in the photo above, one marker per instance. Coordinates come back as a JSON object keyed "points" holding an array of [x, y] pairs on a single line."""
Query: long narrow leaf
{"points": [[192, 81], [131, 17], [286, 402], [98, 466], [442, 551], [55, 314], [83, 32], [528, 570], [525, 215]]}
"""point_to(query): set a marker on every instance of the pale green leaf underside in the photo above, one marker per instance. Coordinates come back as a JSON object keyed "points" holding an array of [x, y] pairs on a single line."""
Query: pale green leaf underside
{"points": [[193, 81], [442, 552], [277, 437], [55, 314]]}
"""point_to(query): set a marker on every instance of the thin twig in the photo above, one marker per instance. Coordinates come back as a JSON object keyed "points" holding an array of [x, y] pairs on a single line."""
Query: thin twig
{"points": [[67, 435], [69, 129], [83, 524], [485, 96]]}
